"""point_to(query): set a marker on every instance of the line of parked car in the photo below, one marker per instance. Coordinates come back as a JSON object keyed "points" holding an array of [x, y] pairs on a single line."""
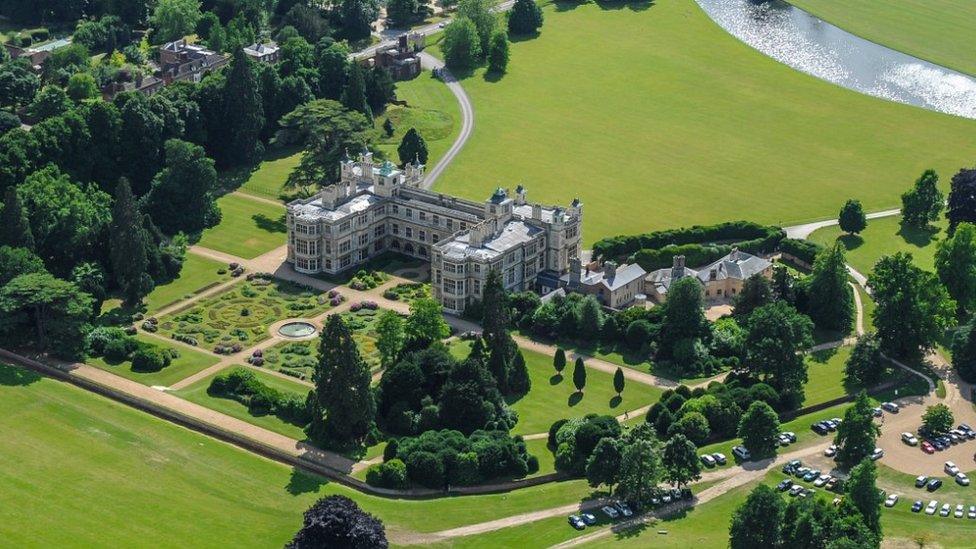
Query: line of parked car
{"points": [[831, 452], [819, 479], [932, 484], [826, 426], [932, 443], [711, 460], [933, 505], [618, 509]]}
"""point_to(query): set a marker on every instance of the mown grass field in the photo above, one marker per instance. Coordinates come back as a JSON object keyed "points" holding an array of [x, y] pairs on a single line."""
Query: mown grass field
{"points": [[655, 117], [188, 363], [247, 229], [885, 236], [268, 180], [197, 393], [431, 108], [825, 371], [197, 273], [80, 470], [940, 31]]}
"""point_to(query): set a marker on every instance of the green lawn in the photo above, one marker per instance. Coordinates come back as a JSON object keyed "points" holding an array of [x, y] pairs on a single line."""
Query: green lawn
{"points": [[940, 31], [247, 229], [885, 236], [188, 363], [826, 375], [554, 397], [431, 108], [646, 114], [111, 469], [268, 180], [197, 274], [197, 393]]}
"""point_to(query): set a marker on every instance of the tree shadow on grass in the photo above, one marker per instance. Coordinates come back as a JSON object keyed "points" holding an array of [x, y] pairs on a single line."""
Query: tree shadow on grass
{"points": [[632, 5], [615, 401], [918, 236], [304, 483], [851, 241], [574, 399], [524, 37], [493, 76], [265, 223], [12, 376]]}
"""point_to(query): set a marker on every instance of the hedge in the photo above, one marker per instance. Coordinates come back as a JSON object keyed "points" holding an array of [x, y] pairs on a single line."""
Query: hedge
{"points": [[804, 250], [243, 386]]}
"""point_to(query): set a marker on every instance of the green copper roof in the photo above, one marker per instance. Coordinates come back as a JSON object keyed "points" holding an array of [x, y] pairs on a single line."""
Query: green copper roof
{"points": [[387, 168]]}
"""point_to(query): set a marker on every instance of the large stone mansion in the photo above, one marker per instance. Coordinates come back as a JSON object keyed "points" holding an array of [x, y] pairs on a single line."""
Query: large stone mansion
{"points": [[378, 208]]}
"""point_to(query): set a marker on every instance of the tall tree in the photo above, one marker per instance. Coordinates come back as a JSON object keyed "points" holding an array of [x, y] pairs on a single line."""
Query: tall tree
{"points": [[18, 84], [89, 277], [333, 66], [756, 292], [680, 459], [862, 491], [757, 522], [342, 389], [390, 337], [357, 17], [579, 375], [127, 246], [480, 13], [328, 131], [603, 465], [426, 323], [866, 364], [519, 382], [955, 263], [831, 299], [590, 317], [498, 52], [461, 45], [525, 17], [938, 419], [640, 471], [775, 342], [51, 314], [912, 308], [174, 19], [964, 352], [852, 219], [17, 261], [354, 95], [962, 198], [856, 435], [142, 135], [684, 313], [242, 114], [559, 360], [104, 121], [412, 148], [182, 194], [15, 229], [618, 381], [758, 429], [923, 203], [336, 521]]}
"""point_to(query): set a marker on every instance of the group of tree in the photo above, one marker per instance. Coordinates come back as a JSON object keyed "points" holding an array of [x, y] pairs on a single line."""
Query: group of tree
{"points": [[473, 37], [765, 520]]}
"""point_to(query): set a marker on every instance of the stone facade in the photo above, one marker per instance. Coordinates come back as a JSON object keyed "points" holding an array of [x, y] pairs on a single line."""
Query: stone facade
{"points": [[378, 208], [180, 61], [720, 280]]}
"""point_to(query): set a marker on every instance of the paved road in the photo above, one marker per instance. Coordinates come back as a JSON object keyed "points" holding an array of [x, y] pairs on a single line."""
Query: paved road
{"points": [[467, 118], [803, 231]]}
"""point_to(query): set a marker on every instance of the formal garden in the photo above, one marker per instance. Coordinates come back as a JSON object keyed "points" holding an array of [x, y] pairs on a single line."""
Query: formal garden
{"points": [[408, 291], [148, 360], [240, 316]]}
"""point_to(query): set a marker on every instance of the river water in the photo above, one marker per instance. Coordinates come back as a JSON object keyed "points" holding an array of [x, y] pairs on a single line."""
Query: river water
{"points": [[809, 44]]}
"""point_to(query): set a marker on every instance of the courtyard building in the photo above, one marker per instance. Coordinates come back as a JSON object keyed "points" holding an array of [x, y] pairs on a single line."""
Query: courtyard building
{"points": [[614, 286], [381, 208], [180, 61], [720, 280]]}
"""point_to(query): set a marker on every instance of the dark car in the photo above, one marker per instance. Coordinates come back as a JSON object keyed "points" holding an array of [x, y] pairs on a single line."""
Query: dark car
{"points": [[917, 506], [784, 485], [933, 485], [819, 428]]}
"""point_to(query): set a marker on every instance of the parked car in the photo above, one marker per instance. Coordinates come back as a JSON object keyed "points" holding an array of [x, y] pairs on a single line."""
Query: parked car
{"points": [[972, 512], [917, 506], [831, 425], [719, 458], [795, 490], [891, 500], [741, 452], [821, 480], [820, 428], [921, 480], [877, 454], [953, 438], [588, 518], [946, 509], [783, 440], [610, 511], [576, 522], [928, 448], [811, 475], [933, 485], [708, 460], [962, 479], [784, 485], [960, 510], [833, 482], [790, 435], [624, 509], [951, 469], [930, 508], [831, 450], [890, 407], [876, 412], [909, 439]]}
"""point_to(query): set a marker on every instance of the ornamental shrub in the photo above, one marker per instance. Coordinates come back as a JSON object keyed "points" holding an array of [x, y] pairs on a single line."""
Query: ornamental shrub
{"points": [[149, 358]]}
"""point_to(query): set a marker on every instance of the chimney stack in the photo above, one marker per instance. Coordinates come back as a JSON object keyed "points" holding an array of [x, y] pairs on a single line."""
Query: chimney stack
{"points": [[610, 269], [575, 266], [678, 268]]}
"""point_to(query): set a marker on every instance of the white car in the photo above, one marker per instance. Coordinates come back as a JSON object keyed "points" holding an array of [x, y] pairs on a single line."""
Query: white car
{"points": [[972, 512], [795, 490], [831, 450], [877, 454], [742, 453], [821, 480], [962, 479], [951, 469], [708, 460], [891, 500], [610, 511], [944, 512], [930, 508], [909, 439], [960, 510], [890, 407], [624, 509]]}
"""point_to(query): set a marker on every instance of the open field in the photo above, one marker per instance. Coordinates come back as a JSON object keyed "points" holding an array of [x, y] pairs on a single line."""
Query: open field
{"points": [[248, 228], [113, 469], [197, 393], [885, 236], [699, 127], [198, 273], [268, 180], [826, 376], [939, 31], [188, 363], [431, 108]]}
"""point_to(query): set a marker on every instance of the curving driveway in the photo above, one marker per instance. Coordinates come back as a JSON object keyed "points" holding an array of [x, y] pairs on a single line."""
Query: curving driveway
{"points": [[467, 117]]}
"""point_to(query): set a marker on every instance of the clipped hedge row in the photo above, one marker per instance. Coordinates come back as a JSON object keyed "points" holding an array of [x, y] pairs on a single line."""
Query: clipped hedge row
{"points": [[701, 242], [804, 250], [243, 386]]}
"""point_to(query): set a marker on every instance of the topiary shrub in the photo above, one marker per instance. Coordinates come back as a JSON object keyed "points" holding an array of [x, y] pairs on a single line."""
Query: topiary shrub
{"points": [[149, 358]]}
